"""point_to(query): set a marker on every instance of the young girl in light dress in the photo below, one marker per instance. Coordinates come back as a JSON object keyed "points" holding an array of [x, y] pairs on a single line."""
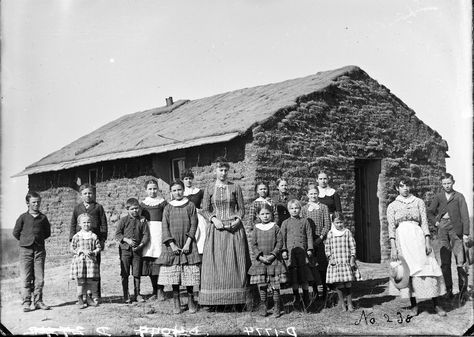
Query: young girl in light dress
{"points": [[267, 268], [152, 209], [342, 268], [84, 267]]}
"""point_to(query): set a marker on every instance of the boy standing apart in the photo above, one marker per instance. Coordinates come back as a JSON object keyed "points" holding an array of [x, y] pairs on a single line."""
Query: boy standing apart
{"points": [[31, 229], [448, 212], [132, 234]]}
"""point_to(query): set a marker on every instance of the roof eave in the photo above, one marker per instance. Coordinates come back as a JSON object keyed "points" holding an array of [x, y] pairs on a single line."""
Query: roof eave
{"points": [[128, 154]]}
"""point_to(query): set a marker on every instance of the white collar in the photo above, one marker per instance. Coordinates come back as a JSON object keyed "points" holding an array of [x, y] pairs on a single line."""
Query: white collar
{"points": [[263, 199], [265, 227], [337, 232], [407, 200], [313, 205], [221, 184], [190, 190], [327, 191], [153, 201], [86, 235], [179, 202]]}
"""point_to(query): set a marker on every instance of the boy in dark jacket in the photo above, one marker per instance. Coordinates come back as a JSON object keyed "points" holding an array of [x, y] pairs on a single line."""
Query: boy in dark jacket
{"points": [[448, 212], [132, 234], [31, 229]]}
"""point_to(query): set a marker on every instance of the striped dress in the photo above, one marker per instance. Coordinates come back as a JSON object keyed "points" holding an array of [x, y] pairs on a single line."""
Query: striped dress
{"points": [[340, 246], [84, 266], [226, 258]]}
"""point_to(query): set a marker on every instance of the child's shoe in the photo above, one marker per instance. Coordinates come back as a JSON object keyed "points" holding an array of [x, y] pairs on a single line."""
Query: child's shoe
{"points": [[160, 296], [89, 300], [177, 304], [306, 301], [140, 298], [276, 303], [262, 309], [41, 305], [440, 311], [80, 302], [414, 311], [350, 307], [96, 302], [27, 307], [191, 305]]}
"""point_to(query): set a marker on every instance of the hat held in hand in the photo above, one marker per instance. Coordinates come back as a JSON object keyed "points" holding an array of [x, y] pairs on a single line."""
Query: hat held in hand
{"points": [[399, 273]]}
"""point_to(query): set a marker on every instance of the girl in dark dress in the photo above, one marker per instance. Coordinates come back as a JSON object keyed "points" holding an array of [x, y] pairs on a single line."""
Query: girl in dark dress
{"points": [[268, 269], [195, 195], [282, 201], [152, 210], [328, 195], [179, 258]]}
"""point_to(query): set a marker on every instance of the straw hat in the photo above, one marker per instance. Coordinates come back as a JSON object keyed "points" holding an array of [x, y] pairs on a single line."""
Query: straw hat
{"points": [[399, 273]]}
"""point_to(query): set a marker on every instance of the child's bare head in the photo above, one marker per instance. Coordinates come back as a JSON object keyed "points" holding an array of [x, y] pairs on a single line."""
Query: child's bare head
{"points": [[294, 207], [132, 206]]}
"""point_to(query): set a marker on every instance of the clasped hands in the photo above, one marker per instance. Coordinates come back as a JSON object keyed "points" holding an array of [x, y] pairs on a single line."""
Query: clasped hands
{"points": [[284, 254], [220, 226], [133, 243], [86, 252], [267, 259], [177, 251]]}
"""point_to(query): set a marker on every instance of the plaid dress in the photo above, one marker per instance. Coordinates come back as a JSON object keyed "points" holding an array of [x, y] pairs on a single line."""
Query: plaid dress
{"points": [[318, 217], [339, 250], [84, 266]]}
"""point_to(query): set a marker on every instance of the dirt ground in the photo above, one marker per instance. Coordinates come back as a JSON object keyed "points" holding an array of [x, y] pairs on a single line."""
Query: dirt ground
{"points": [[377, 313]]}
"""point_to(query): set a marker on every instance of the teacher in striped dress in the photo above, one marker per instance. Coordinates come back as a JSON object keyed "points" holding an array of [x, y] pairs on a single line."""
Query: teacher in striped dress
{"points": [[226, 258]]}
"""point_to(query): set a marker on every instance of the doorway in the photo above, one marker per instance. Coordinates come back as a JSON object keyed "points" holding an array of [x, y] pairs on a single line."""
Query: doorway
{"points": [[366, 210]]}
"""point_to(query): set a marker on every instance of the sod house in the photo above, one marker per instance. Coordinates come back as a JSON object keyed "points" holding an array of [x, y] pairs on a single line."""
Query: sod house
{"points": [[341, 121]]}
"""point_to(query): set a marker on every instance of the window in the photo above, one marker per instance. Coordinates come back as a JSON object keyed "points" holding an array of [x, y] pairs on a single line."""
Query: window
{"points": [[177, 166], [93, 173]]}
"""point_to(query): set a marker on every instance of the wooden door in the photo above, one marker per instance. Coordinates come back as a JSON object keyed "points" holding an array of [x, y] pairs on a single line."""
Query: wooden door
{"points": [[366, 210]]}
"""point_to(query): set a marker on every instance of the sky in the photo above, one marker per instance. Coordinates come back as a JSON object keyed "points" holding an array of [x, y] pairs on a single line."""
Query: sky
{"points": [[69, 67]]}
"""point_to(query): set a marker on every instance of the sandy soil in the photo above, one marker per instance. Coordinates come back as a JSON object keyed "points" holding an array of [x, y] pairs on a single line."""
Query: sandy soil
{"points": [[376, 314]]}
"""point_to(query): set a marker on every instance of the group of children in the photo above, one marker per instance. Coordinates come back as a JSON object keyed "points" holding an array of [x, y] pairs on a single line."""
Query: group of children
{"points": [[157, 238], [298, 252]]}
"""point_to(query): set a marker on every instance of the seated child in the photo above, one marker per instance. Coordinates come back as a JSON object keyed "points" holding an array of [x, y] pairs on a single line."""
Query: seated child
{"points": [[132, 234], [84, 267]]}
